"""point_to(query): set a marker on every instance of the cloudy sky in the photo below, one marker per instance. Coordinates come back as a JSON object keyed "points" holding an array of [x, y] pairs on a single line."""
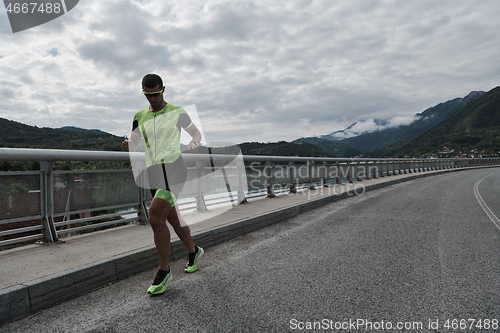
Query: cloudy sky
{"points": [[260, 70]]}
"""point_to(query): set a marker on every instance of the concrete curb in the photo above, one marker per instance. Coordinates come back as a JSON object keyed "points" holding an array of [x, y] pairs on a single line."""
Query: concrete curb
{"points": [[48, 291]]}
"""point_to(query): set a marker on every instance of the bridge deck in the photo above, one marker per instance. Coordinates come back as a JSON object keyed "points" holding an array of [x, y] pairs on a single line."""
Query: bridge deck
{"points": [[39, 276]]}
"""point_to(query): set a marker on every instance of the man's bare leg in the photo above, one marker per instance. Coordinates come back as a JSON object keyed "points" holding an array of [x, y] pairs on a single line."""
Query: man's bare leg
{"points": [[158, 212], [181, 229]]}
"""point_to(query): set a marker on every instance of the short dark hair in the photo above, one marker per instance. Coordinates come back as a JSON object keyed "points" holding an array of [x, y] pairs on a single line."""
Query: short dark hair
{"points": [[151, 81]]}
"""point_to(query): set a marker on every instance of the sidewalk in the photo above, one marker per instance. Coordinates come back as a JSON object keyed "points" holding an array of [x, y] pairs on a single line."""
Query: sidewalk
{"points": [[39, 276]]}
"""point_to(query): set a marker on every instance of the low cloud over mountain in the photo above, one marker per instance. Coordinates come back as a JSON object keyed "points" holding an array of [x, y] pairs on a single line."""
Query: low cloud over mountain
{"points": [[369, 126]]}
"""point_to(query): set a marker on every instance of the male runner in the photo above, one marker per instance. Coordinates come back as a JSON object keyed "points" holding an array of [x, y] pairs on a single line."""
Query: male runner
{"points": [[160, 127]]}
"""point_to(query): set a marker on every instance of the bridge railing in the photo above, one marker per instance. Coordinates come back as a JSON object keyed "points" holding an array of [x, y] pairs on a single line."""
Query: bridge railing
{"points": [[47, 205]]}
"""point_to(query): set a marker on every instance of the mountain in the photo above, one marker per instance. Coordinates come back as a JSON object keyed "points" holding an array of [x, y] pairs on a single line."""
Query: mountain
{"points": [[17, 135], [423, 122], [352, 130], [474, 129], [389, 137]]}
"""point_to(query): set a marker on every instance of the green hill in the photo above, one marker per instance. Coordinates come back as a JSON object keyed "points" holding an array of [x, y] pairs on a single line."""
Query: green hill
{"points": [[17, 135], [472, 130]]}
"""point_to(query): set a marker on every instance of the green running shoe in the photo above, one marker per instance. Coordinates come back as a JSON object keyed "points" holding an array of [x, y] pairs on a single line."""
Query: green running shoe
{"points": [[192, 264], [160, 283]]}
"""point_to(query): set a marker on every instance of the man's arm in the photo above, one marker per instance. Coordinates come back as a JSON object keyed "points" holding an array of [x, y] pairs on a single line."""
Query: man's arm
{"points": [[134, 139], [195, 136]]}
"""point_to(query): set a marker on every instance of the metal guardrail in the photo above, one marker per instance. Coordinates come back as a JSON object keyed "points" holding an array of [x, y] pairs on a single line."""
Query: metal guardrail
{"points": [[49, 204]]}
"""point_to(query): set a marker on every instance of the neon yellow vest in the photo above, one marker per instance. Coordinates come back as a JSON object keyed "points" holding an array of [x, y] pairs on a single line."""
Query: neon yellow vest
{"points": [[161, 133]]}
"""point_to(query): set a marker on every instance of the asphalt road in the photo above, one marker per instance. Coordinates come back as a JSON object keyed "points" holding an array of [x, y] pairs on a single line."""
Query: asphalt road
{"points": [[418, 255]]}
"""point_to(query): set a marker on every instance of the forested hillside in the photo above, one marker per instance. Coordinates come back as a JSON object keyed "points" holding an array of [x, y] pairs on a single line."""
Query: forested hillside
{"points": [[17, 135]]}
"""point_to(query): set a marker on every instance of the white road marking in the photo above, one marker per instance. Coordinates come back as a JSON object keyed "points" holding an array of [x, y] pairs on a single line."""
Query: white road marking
{"points": [[483, 204]]}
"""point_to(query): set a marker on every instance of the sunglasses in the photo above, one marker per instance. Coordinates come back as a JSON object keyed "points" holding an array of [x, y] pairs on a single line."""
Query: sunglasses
{"points": [[153, 93]]}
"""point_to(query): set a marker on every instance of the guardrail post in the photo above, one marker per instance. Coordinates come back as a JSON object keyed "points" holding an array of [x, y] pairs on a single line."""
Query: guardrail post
{"points": [[143, 214], [337, 173], [201, 206], [359, 172], [376, 166], [241, 193], [368, 175], [291, 175], [349, 173], [325, 178], [269, 180], [47, 192], [143, 210], [310, 169]]}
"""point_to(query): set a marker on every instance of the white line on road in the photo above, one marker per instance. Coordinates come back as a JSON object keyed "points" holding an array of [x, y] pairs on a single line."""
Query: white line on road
{"points": [[483, 204]]}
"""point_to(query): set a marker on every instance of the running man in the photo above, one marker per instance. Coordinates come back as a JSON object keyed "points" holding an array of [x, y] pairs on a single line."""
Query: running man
{"points": [[160, 127]]}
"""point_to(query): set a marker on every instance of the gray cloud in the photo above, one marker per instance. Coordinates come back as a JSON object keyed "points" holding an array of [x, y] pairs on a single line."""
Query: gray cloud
{"points": [[257, 71]]}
